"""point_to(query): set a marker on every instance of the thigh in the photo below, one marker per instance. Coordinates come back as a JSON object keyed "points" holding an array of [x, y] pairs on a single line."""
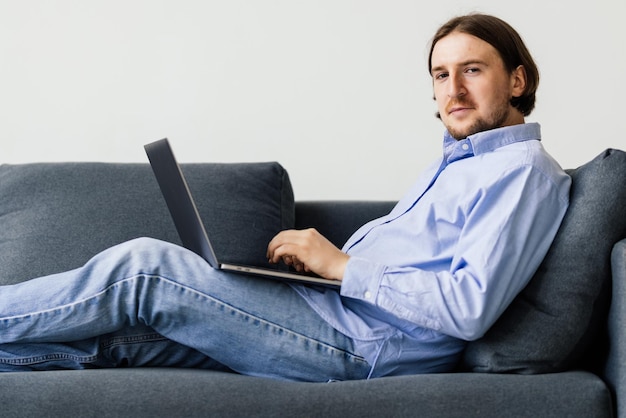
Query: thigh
{"points": [[253, 325], [263, 327]]}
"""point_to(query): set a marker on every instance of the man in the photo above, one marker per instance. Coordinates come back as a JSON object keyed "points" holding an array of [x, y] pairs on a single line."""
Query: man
{"points": [[415, 284]]}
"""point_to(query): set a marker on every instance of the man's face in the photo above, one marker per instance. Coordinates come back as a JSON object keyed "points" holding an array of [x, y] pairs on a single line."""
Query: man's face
{"points": [[472, 87]]}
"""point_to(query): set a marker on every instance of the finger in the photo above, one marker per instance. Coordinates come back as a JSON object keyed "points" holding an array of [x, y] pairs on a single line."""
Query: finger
{"points": [[279, 239], [285, 252], [298, 265]]}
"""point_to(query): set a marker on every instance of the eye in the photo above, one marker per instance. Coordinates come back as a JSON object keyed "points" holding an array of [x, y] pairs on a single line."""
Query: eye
{"points": [[472, 70], [441, 76]]}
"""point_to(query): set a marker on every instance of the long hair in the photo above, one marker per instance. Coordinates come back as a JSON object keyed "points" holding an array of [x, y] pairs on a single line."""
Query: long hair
{"points": [[506, 41]]}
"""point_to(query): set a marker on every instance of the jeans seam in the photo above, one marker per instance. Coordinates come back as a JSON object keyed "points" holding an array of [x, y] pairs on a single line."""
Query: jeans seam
{"points": [[25, 361], [131, 339], [249, 315], [280, 328]]}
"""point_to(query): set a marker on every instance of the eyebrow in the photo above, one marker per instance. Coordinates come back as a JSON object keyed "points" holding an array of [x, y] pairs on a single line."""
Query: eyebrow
{"points": [[462, 64]]}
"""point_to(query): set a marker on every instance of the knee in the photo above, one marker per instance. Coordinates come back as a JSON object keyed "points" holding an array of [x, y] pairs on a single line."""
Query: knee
{"points": [[146, 244], [144, 252], [158, 252], [145, 256], [146, 248]]}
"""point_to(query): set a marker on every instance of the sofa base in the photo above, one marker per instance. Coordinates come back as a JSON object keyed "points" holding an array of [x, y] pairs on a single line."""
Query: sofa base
{"points": [[176, 392]]}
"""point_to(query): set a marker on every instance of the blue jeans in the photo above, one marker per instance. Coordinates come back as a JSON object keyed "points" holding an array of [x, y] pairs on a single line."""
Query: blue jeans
{"points": [[151, 303]]}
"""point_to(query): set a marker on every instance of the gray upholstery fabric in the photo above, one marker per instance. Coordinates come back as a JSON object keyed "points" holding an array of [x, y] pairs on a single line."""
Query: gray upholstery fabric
{"points": [[338, 220], [615, 367], [188, 393], [551, 323], [55, 216]]}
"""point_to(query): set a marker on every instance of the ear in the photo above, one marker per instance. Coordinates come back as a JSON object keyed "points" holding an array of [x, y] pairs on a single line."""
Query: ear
{"points": [[518, 81]]}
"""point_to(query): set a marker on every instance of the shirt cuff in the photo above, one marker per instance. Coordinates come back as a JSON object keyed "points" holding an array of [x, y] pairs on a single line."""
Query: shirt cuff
{"points": [[361, 280]]}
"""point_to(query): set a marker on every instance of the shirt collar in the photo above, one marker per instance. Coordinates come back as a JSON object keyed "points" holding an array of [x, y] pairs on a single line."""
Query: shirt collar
{"points": [[488, 141]]}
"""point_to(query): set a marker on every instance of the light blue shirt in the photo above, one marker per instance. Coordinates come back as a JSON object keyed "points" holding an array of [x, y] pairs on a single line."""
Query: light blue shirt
{"points": [[442, 266]]}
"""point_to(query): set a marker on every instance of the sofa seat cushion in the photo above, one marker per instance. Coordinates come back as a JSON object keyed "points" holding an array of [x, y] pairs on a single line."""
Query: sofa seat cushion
{"points": [[555, 318], [55, 216], [148, 392]]}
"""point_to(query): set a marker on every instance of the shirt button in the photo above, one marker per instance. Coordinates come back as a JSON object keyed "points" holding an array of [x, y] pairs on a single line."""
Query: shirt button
{"points": [[367, 294], [465, 147]]}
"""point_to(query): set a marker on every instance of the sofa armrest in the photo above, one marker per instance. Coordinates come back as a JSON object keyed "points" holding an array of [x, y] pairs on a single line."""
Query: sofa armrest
{"points": [[615, 369], [338, 219]]}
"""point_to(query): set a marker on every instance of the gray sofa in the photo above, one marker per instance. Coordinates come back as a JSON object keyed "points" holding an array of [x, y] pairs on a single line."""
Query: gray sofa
{"points": [[559, 350]]}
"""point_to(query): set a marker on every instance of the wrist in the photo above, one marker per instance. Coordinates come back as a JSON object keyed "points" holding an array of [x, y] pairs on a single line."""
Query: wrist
{"points": [[341, 266]]}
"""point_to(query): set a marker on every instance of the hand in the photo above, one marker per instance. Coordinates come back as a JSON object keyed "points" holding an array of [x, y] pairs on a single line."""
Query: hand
{"points": [[307, 250]]}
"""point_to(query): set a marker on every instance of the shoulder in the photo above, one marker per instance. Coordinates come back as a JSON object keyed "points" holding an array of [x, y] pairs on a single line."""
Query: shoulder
{"points": [[533, 164]]}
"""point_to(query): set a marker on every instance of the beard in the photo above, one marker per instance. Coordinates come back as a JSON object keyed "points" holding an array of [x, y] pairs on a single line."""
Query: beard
{"points": [[495, 119]]}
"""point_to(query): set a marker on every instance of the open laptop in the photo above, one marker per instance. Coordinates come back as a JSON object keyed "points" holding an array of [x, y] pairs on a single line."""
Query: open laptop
{"points": [[191, 228]]}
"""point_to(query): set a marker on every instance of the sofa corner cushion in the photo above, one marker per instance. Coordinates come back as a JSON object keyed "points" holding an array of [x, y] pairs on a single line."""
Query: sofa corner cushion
{"points": [[55, 216], [555, 318]]}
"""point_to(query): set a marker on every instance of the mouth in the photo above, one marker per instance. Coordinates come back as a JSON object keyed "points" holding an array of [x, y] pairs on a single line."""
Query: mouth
{"points": [[457, 110]]}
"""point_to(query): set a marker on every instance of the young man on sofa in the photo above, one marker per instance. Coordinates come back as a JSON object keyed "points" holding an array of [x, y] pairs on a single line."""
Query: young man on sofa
{"points": [[415, 284]]}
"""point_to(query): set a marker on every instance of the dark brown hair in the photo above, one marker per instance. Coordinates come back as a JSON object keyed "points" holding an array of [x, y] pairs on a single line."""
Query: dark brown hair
{"points": [[506, 41]]}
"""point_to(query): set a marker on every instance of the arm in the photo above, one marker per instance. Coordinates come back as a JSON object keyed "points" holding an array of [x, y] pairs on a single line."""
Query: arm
{"points": [[506, 229]]}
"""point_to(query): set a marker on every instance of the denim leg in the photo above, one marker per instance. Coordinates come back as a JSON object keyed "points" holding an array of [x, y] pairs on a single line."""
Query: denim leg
{"points": [[138, 346], [141, 346], [253, 326]]}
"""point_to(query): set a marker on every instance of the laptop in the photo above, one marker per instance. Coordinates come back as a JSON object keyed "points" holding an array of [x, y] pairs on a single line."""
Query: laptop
{"points": [[190, 227]]}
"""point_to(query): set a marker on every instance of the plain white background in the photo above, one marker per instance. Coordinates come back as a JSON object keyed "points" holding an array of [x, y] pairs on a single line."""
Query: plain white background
{"points": [[335, 90]]}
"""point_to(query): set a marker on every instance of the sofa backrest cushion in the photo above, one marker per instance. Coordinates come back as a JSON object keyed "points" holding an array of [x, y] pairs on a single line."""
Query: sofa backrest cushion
{"points": [[337, 220], [555, 318], [55, 216]]}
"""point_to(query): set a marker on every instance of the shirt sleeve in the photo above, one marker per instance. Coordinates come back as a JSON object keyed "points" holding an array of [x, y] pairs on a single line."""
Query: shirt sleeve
{"points": [[508, 229]]}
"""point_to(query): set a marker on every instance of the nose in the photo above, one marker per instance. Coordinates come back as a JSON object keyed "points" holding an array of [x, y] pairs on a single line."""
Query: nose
{"points": [[456, 88]]}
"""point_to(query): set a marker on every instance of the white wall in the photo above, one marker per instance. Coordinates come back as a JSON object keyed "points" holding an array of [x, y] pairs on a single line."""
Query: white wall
{"points": [[335, 90]]}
